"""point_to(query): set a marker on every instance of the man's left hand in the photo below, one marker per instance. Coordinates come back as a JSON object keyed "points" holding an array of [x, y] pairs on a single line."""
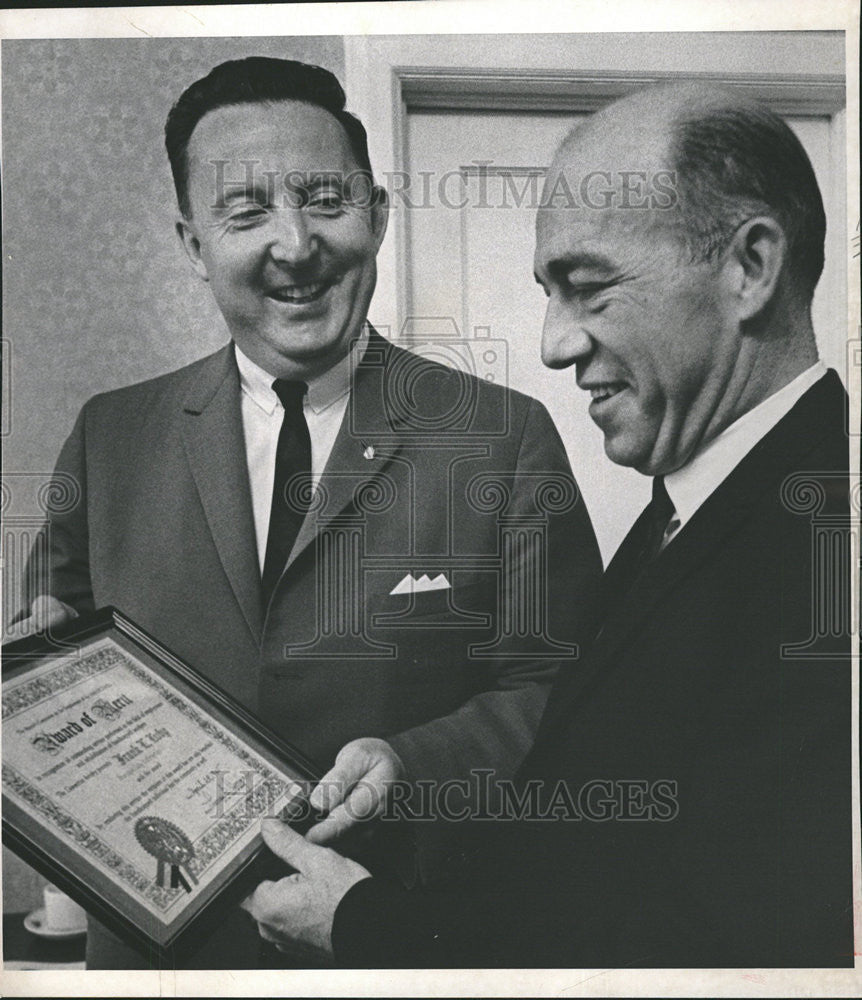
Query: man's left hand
{"points": [[301, 907]]}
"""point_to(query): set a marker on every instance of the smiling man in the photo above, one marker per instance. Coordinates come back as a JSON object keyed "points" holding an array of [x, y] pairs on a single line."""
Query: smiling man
{"points": [[637, 303], [197, 518], [288, 244], [687, 801]]}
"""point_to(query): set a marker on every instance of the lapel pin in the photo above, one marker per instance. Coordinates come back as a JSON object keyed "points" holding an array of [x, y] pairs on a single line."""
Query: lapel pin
{"points": [[369, 451]]}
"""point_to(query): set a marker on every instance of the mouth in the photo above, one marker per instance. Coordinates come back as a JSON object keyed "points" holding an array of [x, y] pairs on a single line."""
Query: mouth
{"points": [[604, 391], [299, 295]]}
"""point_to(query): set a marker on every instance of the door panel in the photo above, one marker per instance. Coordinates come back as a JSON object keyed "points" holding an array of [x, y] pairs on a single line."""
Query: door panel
{"points": [[476, 178]]}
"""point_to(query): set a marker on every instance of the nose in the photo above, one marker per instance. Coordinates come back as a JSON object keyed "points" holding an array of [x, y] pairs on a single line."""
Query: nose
{"points": [[294, 242], [564, 340]]}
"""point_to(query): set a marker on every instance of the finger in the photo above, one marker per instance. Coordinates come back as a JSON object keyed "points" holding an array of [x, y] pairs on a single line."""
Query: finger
{"points": [[330, 829], [329, 791], [257, 903], [269, 898], [363, 804], [268, 935], [338, 781], [47, 612], [290, 846]]}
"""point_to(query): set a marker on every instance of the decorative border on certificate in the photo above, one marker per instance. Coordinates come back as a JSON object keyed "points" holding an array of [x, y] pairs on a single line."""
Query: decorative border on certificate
{"points": [[90, 841], [142, 776], [206, 848], [43, 687]]}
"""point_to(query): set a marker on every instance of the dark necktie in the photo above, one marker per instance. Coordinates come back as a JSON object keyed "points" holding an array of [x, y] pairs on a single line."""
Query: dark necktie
{"points": [[660, 510], [642, 544], [292, 458]]}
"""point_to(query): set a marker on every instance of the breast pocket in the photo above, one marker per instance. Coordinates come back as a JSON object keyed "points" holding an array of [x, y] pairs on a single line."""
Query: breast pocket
{"points": [[469, 606]]}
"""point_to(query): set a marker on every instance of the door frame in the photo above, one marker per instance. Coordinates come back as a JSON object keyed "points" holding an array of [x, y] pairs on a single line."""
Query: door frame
{"points": [[388, 77]]}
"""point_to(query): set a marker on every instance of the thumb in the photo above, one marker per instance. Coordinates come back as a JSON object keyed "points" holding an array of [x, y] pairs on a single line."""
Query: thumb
{"points": [[47, 611], [336, 783], [290, 846]]}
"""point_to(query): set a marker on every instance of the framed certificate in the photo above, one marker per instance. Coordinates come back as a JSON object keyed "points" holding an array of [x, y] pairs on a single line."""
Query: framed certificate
{"points": [[135, 784]]}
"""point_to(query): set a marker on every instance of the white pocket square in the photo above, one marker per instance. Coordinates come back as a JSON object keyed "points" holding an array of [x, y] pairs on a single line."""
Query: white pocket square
{"points": [[411, 585]]}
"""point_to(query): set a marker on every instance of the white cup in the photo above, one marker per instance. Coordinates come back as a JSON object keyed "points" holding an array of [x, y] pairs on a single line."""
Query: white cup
{"points": [[61, 913]]}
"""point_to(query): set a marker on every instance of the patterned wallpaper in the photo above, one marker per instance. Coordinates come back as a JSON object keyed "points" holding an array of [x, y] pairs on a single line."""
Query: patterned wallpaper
{"points": [[97, 291]]}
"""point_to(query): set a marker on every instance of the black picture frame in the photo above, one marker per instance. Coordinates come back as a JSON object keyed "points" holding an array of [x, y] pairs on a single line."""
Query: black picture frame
{"points": [[66, 863]]}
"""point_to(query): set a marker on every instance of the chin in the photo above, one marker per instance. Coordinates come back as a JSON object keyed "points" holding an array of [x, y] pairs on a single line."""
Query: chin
{"points": [[305, 345], [316, 358], [620, 454]]}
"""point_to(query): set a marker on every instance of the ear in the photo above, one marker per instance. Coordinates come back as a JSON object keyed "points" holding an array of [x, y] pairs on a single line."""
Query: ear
{"points": [[191, 245], [379, 214], [756, 256]]}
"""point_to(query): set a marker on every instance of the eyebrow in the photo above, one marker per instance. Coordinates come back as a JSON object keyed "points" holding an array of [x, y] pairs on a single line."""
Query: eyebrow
{"points": [[306, 182], [559, 267], [239, 190]]}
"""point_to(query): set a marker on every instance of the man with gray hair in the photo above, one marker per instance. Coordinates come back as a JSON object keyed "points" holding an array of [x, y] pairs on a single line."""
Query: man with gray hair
{"points": [[687, 801]]}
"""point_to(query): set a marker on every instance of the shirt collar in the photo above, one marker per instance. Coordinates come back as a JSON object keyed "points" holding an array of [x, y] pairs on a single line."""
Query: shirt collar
{"points": [[323, 390], [255, 382], [690, 486]]}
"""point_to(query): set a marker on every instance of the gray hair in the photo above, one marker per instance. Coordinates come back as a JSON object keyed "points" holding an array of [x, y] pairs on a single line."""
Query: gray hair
{"points": [[735, 162]]}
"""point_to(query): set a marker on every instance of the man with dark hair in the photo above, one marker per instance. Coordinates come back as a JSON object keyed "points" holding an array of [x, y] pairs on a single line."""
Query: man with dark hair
{"points": [[256, 80], [296, 515], [688, 796]]}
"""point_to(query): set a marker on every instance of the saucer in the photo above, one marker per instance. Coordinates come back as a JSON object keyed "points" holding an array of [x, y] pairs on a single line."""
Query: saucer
{"points": [[35, 923]]}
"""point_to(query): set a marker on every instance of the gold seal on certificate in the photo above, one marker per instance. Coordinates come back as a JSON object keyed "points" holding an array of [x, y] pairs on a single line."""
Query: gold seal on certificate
{"points": [[166, 843], [133, 782]]}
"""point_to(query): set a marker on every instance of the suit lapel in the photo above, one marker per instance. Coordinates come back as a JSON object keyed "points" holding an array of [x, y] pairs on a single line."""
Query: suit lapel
{"points": [[215, 446], [367, 441], [765, 467]]}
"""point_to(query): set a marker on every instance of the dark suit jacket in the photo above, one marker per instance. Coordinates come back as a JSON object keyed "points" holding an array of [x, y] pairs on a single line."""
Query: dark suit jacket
{"points": [[704, 741], [431, 472]]}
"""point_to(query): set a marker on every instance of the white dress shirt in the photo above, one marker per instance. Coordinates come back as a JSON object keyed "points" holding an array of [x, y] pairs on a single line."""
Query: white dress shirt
{"points": [[690, 486], [324, 407]]}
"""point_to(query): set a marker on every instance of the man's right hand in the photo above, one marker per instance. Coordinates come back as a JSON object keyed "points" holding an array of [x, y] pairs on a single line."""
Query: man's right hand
{"points": [[46, 612], [355, 789]]}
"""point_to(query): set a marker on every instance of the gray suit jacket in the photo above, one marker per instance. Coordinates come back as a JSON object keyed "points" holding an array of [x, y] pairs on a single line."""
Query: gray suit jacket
{"points": [[432, 472]]}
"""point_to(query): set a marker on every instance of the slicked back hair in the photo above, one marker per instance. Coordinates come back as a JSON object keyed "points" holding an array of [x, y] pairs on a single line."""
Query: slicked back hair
{"points": [[733, 163], [256, 80]]}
